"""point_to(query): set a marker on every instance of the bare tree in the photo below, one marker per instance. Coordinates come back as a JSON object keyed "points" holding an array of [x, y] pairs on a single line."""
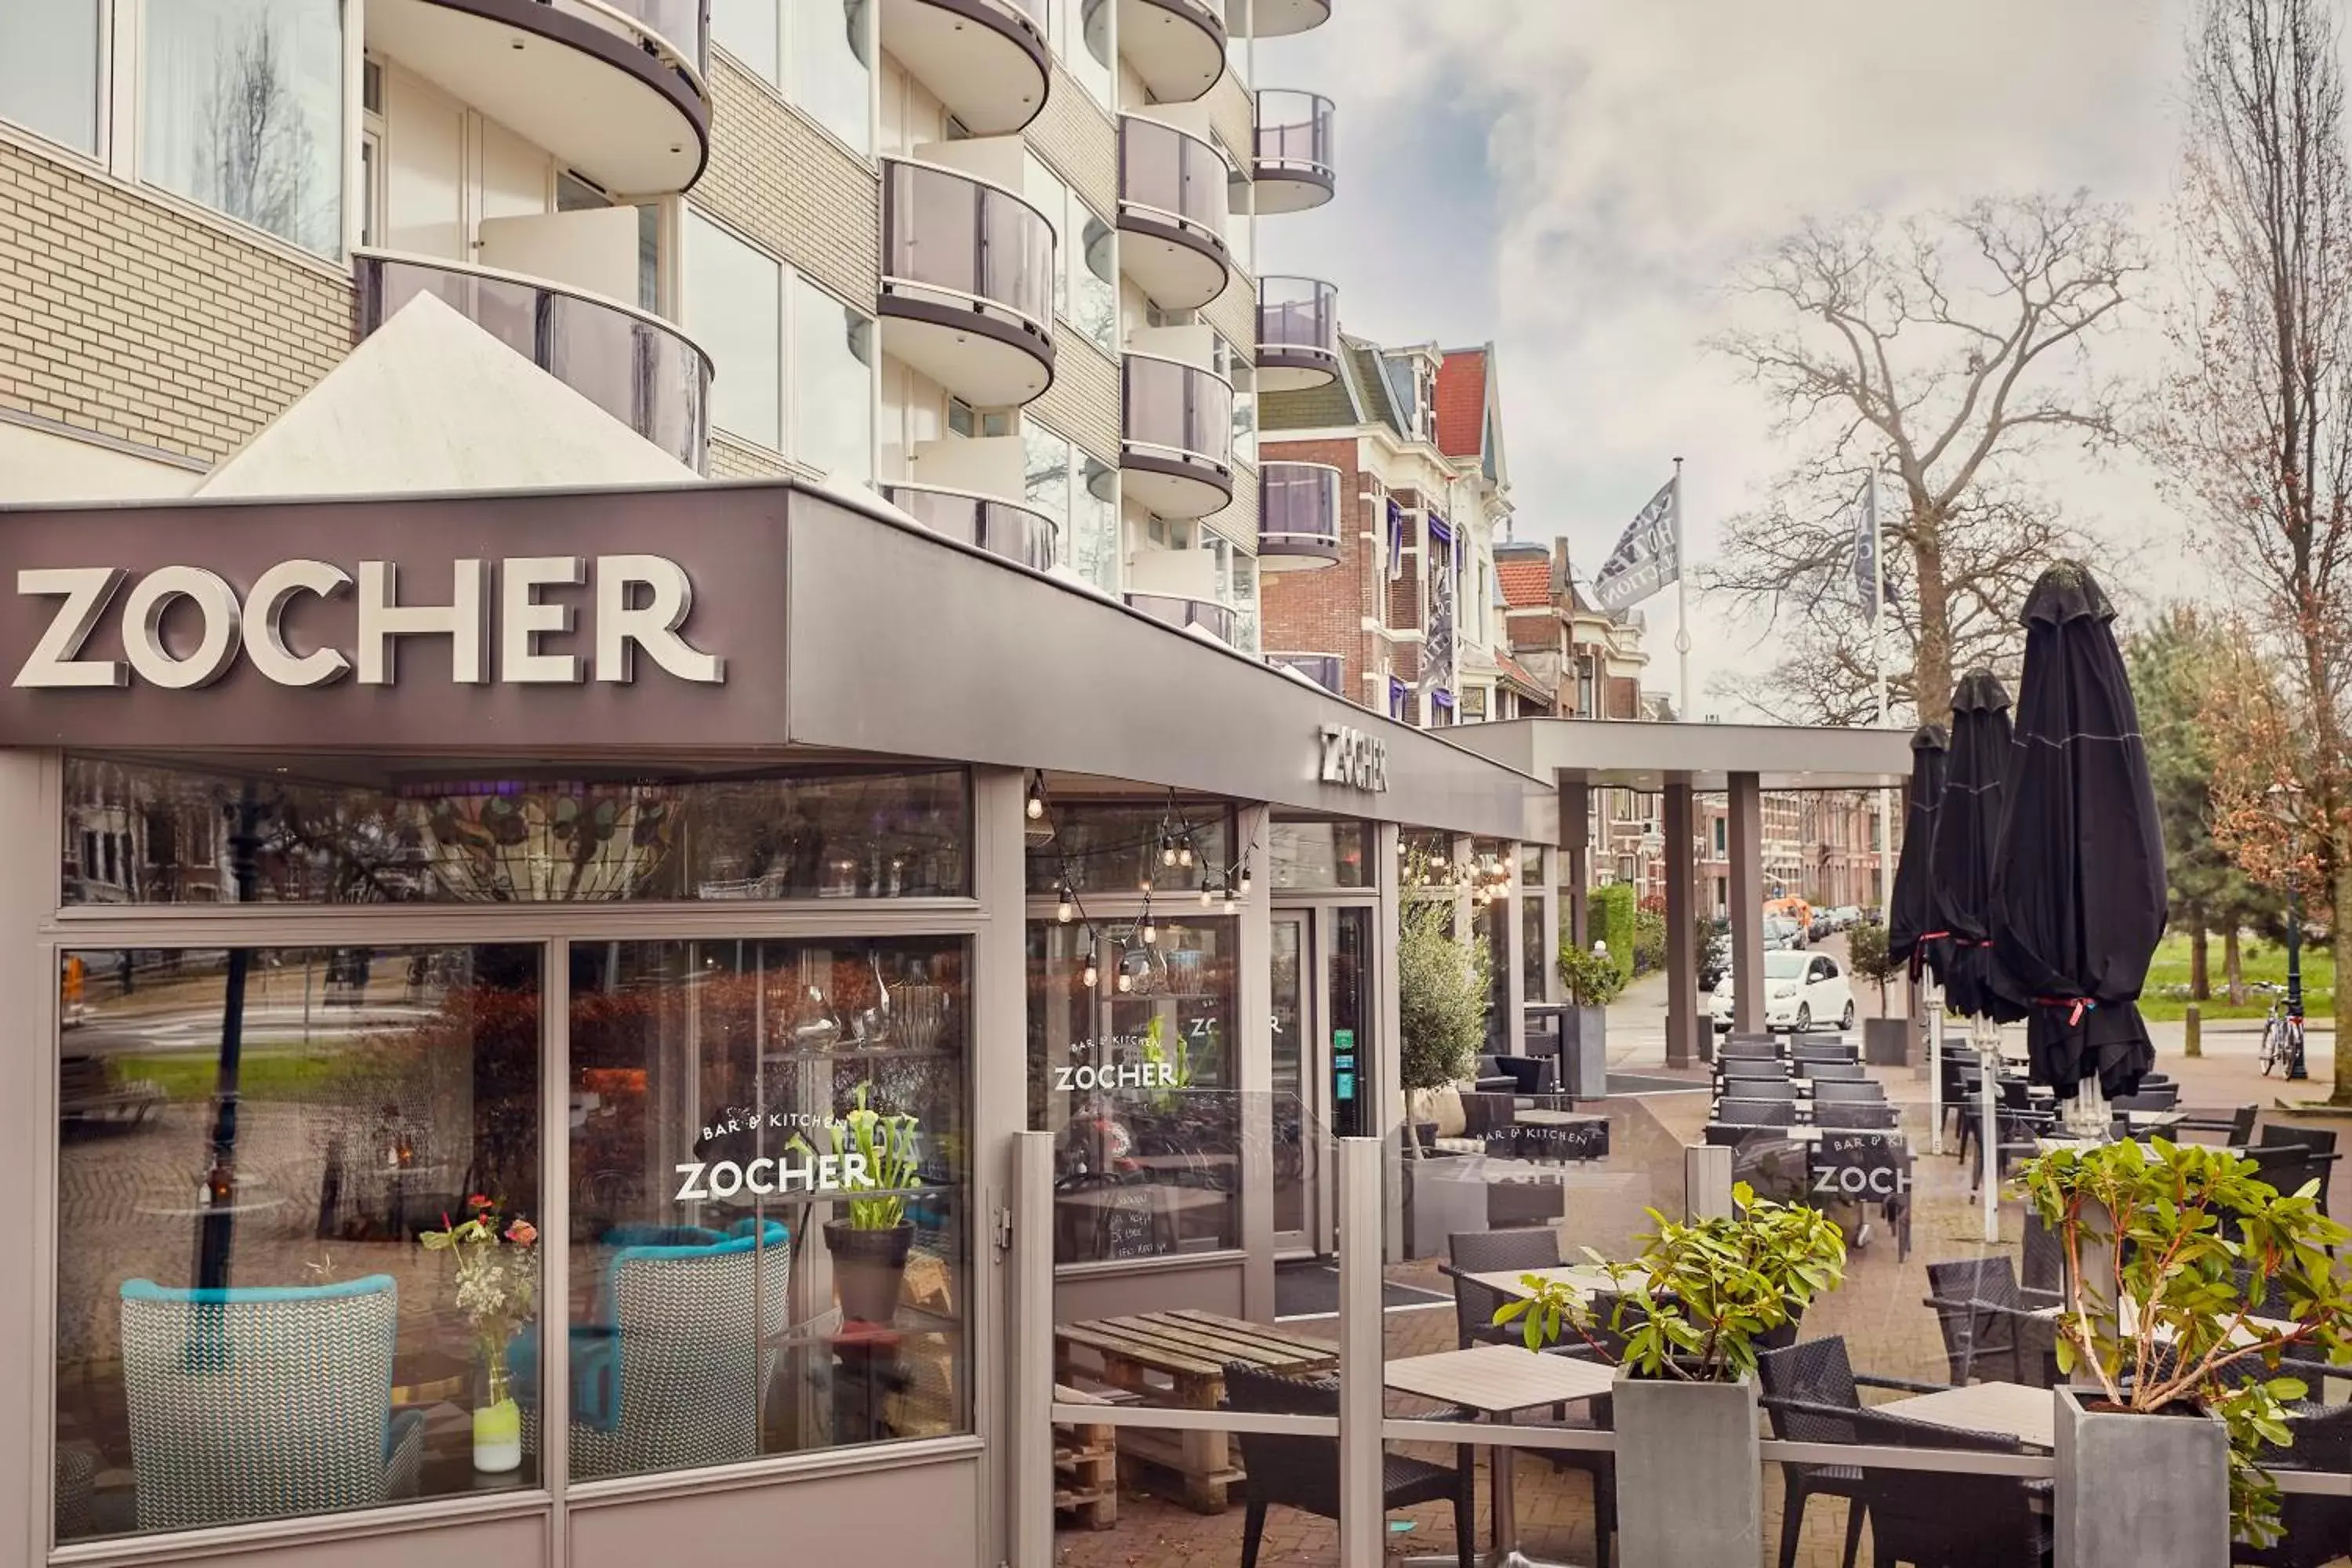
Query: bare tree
{"points": [[1942, 351], [2257, 434], [263, 170]]}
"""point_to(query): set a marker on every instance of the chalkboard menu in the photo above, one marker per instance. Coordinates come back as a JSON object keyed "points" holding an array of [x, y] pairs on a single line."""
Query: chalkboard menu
{"points": [[1131, 1223]]}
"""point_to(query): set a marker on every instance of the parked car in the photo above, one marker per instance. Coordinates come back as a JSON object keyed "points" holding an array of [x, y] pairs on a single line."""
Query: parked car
{"points": [[1715, 961], [1801, 991], [1821, 928], [1780, 932], [1845, 917]]}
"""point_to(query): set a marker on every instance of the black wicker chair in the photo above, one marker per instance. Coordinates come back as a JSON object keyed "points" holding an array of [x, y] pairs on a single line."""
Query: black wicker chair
{"points": [[2045, 1283], [1756, 1112], [2237, 1129], [1833, 1073], [1303, 1472], [1838, 1113], [1801, 1385], [2319, 1530], [1734, 1049], [1977, 1304], [1947, 1519]]}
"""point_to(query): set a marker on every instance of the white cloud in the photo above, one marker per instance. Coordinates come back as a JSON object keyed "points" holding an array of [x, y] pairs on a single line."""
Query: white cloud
{"points": [[1633, 150]]}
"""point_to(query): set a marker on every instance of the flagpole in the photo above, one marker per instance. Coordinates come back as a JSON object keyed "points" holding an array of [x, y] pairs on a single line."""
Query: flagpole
{"points": [[1681, 600]]}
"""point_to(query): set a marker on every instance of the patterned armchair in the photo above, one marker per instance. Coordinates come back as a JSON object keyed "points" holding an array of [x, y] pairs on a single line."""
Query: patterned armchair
{"points": [[264, 1403], [660, 1382]]}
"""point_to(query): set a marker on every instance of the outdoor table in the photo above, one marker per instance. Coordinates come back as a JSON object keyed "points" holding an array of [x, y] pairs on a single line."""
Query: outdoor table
{"points": [[1584, 1279], [2011, 1409], [1500, 1381], [1189, 1350]]}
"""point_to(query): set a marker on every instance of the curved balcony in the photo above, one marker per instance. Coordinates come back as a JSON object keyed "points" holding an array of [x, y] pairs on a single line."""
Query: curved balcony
{"points": [[1176, 438], [1299, 516], [1218, 620], [1171, 207], [1276, 18], [1297, 334], [1176, 46], [637, 368], [1324, 670], [999, 527], [614, 89], [984, 59], [967, 284], [1294, 169]]}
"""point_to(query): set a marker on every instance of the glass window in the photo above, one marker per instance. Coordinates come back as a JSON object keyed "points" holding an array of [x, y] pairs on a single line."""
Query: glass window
{"points": [[1319, 855], [1106, 849], [832, 67], [1535, 955], [1134, 1076], [509, 837], [243, 111], [1082, 37], [1086, 257], [48, 70], [262, 1311], [832, 386], [769, 1187], [734, 308], [1081, 494], [752, 31]]}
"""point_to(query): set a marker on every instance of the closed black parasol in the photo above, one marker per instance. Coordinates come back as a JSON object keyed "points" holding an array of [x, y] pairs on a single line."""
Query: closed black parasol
{"points": [[1911, 914], [1959, 869], [2078, 887]]}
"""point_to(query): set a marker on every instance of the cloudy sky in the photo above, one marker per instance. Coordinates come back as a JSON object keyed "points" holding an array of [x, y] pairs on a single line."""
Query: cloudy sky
{"points": [[1572, 178]]}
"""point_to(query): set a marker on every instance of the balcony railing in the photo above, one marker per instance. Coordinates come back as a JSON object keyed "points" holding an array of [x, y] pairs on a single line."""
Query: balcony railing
{"points": [[1298, 515], [1219, 621], [999, 527], [1177, 437], [1298, 329], [638, 368], [684, 25], [1172, 180], [969, 260], [1323, 669], [1295, 169]]}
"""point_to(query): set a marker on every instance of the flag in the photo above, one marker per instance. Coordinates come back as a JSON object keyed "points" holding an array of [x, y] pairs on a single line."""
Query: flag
{"points": [[1648, 556], [1868, 584]]}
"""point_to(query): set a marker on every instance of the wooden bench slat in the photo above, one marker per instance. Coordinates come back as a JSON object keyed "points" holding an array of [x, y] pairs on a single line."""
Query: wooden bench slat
{"points": [[1298, 1347], [1104, 1337], [1221, 1346]]}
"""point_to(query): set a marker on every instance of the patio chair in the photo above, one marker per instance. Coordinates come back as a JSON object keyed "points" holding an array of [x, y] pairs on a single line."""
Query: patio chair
{"points": [[1770, 1071], [1801, 1383], [1976, 1300], [2288, 1162], [658, 1382], [1737, 1049], [1867, 1091], [2166, 1098], [2017, 1123], [1832, 1072], [264, 1402], [1948, 1519], [2319, 1530], [1856, 1113], [2237, 1128], [2044, 1267], [1303, 1472], [1491, 1252], [1759, 1089], [1756, 1112]]}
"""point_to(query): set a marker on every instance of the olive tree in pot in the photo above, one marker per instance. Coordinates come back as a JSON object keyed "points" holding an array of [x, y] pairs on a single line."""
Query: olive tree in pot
{"points": [[2194, 1294], [1592, 981], [1885, 1042], [1690, 1315], [1442, 985]]}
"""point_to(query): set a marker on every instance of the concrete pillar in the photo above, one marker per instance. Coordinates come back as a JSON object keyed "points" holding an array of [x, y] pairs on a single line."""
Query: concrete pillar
{"points": [[1511, 954], [1576, 849], [1253, 953], [1553, 862], [1685, 1031], [1747, 835]]}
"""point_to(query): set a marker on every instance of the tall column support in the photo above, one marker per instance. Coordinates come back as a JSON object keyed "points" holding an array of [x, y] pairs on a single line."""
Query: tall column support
{"points": [[1747, 816], [1683, 1031], [1575, 854]]}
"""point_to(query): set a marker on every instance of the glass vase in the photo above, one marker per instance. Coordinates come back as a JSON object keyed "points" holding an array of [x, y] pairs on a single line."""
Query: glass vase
{"points": [[497, 1419]]}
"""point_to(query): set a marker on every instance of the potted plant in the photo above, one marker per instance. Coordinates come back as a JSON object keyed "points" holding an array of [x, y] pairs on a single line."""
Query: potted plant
{"points": [[1443, 986], [870, 1239], [2190, 1280], [1593, 981], [497, 1276], [1691, 1313], [1885, 1042]]}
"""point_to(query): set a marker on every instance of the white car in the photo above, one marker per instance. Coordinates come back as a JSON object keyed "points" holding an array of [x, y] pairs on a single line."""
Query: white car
{"points": [[1801, 991]]}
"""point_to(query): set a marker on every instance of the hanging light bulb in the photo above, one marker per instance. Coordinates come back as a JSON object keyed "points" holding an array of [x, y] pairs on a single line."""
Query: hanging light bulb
{"points": [[1167, 849], [1144, 886], [1036, 806], [1125, 981], [1231, 907], [1208, 895], [1150, 933], [1246, 881], [1066, 905], [1184, 853], [1090, 976]]}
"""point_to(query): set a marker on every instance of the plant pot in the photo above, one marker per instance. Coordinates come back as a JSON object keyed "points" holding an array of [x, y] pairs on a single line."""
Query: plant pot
{"points": [[1584, 1053], [868, 1268], [2135, 1489], [1886, 1042], [1447, 1197], [1690, 1474]]}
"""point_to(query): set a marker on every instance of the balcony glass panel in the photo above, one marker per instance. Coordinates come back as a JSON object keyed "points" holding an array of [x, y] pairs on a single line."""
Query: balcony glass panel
{"points": [[1322, 669], [1178, 408], [678, 22], [1299, 503], [1294, 128], [643, 372], [1180, 178], [998, 527], [1176, 611], [1299, 314], [948, 233]]}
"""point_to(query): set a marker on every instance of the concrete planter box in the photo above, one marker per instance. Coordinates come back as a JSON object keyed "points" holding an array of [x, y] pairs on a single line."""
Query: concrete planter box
{"points": [[1690, 1476], [1886, 1042], [1584, 1053], [1445, 1197], [2136, 1489]]}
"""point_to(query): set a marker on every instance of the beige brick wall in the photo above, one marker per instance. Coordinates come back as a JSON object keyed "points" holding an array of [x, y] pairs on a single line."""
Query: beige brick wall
{"points": [[1082, 401], [1077, 136], [123, 316], [1234, 313], [790, 187], [1233, 114], [732, 460]]}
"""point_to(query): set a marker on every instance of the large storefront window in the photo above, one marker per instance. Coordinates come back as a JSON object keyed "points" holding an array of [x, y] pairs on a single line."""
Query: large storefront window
{"points": [[1132, 1068], [770, 1159], [261, 1313], [1120, 850], [1308, 854], [139, 834]]}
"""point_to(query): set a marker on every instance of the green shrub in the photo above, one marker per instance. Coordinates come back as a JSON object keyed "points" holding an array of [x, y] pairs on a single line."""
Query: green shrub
{"points": [[1441, 991], [1867, 958], [1591, 980], [1649, 941], [1612, 920]]}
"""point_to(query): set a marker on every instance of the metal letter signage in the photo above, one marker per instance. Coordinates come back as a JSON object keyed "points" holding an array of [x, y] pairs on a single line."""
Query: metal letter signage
{"points": [[1354, 758], [637, 604]]}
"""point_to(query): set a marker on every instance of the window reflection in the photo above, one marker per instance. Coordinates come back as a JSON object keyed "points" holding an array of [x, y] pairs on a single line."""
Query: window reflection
{"points": [[1117, 848]]}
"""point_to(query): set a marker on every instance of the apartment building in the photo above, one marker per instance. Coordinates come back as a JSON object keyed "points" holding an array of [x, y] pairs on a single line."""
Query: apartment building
{"points": [[1401, 451]]}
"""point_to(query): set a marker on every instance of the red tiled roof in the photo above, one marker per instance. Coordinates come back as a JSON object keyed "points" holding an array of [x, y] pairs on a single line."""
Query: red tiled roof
{"points": [[1527, 585], [1462, 404], [1514, 670]]}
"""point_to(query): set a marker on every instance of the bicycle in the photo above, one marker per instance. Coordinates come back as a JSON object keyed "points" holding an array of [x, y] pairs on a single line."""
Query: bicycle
{"points": [[2281, 1032]]}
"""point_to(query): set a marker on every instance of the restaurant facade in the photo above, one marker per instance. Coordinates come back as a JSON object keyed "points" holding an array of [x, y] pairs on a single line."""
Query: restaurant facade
{"points": [[538, 993]]}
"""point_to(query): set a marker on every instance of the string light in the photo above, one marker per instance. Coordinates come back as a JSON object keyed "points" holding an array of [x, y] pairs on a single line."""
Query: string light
{"points": [[1231, 907], [1066, 907], [1167, 848], [1246, 881], [1151, 932], [1036, 806], [1185, 851], [1207, 896], [1090, 976], [1126, 980]]}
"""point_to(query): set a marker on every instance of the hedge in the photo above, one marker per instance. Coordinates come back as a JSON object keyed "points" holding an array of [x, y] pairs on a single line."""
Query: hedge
{"points": [[1612, 920]]}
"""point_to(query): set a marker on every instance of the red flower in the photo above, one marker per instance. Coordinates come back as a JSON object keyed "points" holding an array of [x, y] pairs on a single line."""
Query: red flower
{"points": [[478, 1201], [523, 1233]]}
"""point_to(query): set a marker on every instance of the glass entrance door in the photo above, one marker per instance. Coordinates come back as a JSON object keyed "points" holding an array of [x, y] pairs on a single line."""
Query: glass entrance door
{"points": [[1296, 1110]]}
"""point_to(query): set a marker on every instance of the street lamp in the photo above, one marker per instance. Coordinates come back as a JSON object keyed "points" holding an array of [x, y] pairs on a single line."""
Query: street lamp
{"points": [[2286, 805]]}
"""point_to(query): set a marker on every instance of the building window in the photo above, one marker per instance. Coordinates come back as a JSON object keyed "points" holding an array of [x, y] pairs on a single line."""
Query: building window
{"points": [[737, 308], [250, 1322], [1721, 847], [1086, 257], [1115, 850], [1081, 495], [745, 1261], [1319, 854], [48, 70], [1081, 37], [243, 111], [823, 49], [966, 420]]}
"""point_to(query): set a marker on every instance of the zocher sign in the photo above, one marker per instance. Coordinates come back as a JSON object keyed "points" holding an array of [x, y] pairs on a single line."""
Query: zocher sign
{"points": [[1354, 758]]}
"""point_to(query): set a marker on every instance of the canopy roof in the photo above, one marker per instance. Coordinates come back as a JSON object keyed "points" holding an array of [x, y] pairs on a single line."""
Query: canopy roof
{"points": [[1648, 756]]}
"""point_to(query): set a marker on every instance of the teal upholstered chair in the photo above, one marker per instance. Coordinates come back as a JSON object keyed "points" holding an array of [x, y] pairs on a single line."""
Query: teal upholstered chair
{"points": [[264, 1403]]}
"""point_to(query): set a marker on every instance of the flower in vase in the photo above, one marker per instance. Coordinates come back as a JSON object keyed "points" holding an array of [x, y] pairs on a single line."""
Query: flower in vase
{"points": [[523, 1233]]}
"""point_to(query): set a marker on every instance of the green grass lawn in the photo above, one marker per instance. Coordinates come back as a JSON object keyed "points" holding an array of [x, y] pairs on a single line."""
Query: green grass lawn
{"points": [[185, 1076], [2166, 993]]}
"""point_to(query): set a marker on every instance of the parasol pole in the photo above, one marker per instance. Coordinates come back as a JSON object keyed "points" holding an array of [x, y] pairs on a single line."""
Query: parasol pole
{"points": [[1878, 663], [1987, 1035], [1933, 995]]}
